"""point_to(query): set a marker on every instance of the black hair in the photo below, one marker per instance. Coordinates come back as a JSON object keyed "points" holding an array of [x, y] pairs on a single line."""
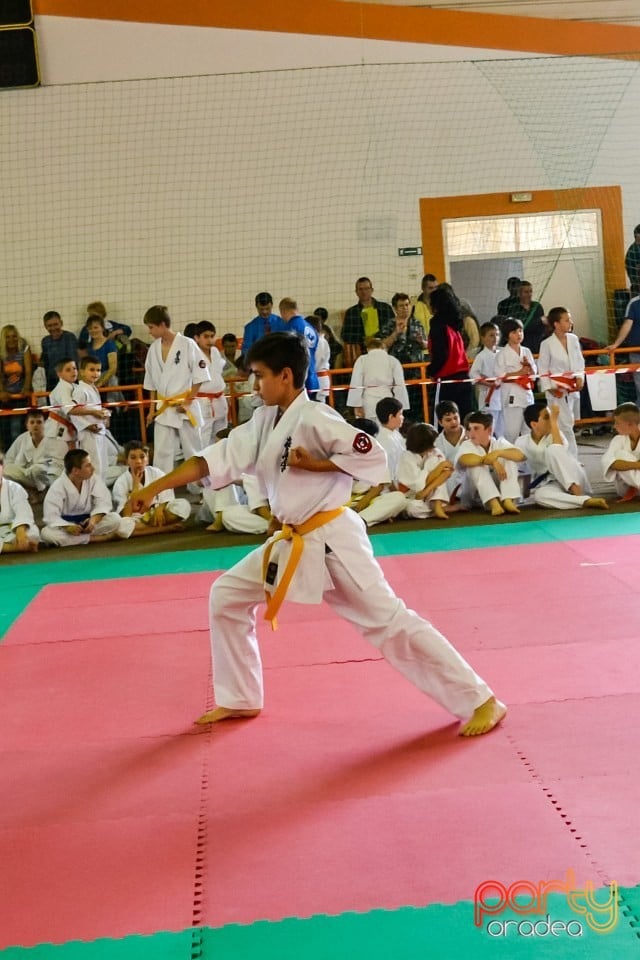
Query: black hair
{"points": [[532, 413], [445, 407], [509, 324], [421, 437], [157, 316], [479, 416], [280, 350], [73, 459], [387, 407], [366, 426], [205, 326]]}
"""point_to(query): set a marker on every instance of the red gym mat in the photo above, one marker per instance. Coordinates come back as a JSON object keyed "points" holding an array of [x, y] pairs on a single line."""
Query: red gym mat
{"points": [[351, 791]]}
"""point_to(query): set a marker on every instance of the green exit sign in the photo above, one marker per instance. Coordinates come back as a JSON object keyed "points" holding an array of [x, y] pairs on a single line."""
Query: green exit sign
{"points": [[409, 251]]}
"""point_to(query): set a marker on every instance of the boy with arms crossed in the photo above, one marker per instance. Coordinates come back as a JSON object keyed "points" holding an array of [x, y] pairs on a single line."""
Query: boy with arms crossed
{"points": [[491, 465], [305, 456]]}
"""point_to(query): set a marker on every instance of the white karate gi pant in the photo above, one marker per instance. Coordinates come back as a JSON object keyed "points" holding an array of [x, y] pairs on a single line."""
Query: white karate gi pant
{"points": [[384, 507], [625, 479], [564, 471], [566, 417], [110, 523], [409, 643], [513, 421], [8, 535], [95, 444], [38, 475], [483, 483], [166, 440]]}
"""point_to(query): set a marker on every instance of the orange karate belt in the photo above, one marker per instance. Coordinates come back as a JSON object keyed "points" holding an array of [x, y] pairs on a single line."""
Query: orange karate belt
{"points": [[175, 401], [65, 423], [296, 534]]}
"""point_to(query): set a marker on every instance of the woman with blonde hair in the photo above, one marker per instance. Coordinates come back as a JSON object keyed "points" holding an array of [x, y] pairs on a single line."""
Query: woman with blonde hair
{"points": [[16, 368]]}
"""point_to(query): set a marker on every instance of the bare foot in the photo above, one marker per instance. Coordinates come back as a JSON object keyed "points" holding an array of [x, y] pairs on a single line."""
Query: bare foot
{"points": [[439, 510], [576, 490], [596, 503], [629, 495], [225, 713], [509, 506], [217, 525], [484, 718], [495, 507]]}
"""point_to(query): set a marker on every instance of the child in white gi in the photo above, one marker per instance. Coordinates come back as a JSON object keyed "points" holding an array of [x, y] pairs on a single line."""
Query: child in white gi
{"points": [[78, 509], [423, 472], [305, 456], [213, 406], [448, 442], [375, 375], [375, 502], [18, 531], [173, 376], [621, 460], [483, 371], [561, 355], [237, 508], [89, 416], [390, 416], [517, 371], [491, 465], [59, 427], [554, 477], [166, 513], [32, 459]]}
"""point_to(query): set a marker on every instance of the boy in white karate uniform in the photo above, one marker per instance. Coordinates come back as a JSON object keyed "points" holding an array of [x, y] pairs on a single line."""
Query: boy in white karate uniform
{"points": [[32, 459], [375, 502], [305, 456], [59, 428], [448, 442], [213, 406], [561, 356], [553, 476], [18, 530], [173, 376], [390, 416], [483, 370], [491, 465], [89, 416], [237, 508], [375, 375], [423, 473], [166, 514], [621, 460], [78, 508]]}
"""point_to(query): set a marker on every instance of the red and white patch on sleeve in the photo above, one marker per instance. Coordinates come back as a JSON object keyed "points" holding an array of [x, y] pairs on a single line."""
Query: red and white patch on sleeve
{"points": [[362, 443]]}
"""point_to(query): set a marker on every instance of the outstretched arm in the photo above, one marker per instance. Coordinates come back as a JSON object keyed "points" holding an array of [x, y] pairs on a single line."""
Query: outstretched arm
{"points": [[193, 469]]}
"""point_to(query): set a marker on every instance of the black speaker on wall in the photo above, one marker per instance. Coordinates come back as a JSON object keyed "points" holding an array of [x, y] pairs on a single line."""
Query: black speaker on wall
{"points": [[18, 45]]}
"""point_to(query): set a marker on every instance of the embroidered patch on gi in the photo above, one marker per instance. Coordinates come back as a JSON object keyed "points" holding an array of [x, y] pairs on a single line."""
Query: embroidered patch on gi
{"points": [[362, 443], [285, 455], [177, 359], [202, 364]]}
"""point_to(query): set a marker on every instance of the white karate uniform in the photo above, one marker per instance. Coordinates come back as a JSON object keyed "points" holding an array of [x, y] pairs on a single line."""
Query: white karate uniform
{"points": [[123, 486], [553, 358], [483, 484], [458, 479], [58, 426], [214, 407], [323, 362], [33, 466], [337, 560], [393, 444], [63, 502], [620, 449], [514, 397], [171, 378], [376, 375], [552, 470], [489, 394], [15, 511], [413, 471], [93, 442]]}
